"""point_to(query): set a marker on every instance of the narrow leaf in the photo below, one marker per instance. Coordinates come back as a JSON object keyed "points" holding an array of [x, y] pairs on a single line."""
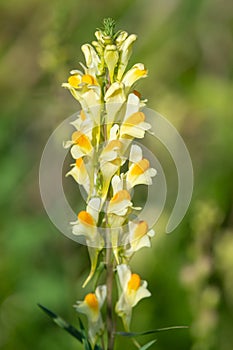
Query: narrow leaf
{"points": [[136, 334], [81, 325], [63, 324], [148, 345], [97, 347], [87, 345]]}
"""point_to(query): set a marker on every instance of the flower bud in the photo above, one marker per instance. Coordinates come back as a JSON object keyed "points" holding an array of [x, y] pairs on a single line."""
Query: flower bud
{"points": [[103, 39], [111, 57], [125, 53], [121, 38], [99, 36], [91, 57], [98, 47]]}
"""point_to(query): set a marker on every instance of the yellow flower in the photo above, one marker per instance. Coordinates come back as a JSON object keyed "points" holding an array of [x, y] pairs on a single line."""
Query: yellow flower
{"points": [[81, 148], [139, 237], [80, 174], [111, 159], [133, 289], [75, 80], [86, 90], [86, 226], [91, 306], [78, 80], [120, 203], [84, 125], [139, 172], [134, 126], [110, 151], [92, 59], [91, 102], [125, 48], [82, 145], [133, 104], [118, 206], [114, 100], [137, 72]]}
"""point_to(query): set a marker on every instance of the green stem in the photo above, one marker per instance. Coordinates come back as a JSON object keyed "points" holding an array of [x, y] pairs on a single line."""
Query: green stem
{"points": [[109, 283], [102, 342]]}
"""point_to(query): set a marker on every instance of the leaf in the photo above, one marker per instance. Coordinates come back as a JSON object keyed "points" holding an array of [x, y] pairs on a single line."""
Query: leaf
{"points": [[81, 336], [63, 324], [81, 325], [148, 345], [87, 345], [136, 334], [97, 347]]}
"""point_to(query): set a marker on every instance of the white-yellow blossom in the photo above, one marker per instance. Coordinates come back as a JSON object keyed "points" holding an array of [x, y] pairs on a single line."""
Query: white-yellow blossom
{"points": [[86, 90], [114, 100], [111, 159], [125, 46], [91, 307], [84, 125], [120, 203], [139, 236], [82, 145], [86, 226], [80, 174], [140, 172], [133, 104], [92, 59], [134, 126], [137, 72], [133, 289]]}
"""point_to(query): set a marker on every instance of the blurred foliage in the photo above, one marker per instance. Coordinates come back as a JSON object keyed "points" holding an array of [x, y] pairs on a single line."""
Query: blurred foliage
{"points": [[188, 48]]}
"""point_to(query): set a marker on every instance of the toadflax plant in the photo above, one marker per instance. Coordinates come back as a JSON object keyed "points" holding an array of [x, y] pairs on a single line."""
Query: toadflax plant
{"points": [[108, 164]]}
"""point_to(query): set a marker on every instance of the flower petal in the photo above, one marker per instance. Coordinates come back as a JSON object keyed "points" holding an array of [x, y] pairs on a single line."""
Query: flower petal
{"points": [[142, 292], [79, 173], [119, 203], [138, 71], [135, 154], [133, 105], [125, 53], [117, 184], [93, 207], [101, 292], [124, 275]]}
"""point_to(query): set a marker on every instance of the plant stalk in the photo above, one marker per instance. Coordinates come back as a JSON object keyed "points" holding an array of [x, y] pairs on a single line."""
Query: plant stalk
{"points": [[109, 283]]}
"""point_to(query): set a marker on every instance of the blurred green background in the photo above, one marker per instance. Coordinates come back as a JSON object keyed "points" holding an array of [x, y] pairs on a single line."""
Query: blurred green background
{"points": [[188, 48]]}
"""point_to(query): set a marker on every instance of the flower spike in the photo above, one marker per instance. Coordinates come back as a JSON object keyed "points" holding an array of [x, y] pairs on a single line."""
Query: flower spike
{"points": [[108, 165]]}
